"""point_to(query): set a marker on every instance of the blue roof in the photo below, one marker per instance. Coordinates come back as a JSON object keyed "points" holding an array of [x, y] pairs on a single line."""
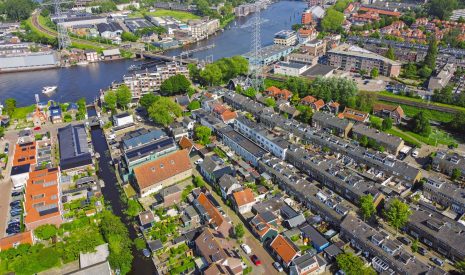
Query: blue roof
{"points": [[55, 111], [20, 169], [72, 106]]}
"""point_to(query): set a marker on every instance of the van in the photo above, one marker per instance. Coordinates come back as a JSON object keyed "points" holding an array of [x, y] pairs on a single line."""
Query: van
{"points": [[246, 248]]}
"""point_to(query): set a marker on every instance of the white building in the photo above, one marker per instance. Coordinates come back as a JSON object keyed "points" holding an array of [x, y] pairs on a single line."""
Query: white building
{"points": [[285, 37], [122, 119], [290, 68]]}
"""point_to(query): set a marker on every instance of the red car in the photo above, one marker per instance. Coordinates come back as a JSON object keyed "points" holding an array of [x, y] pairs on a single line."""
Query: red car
{"points": [[37, 128], [255, 260]]}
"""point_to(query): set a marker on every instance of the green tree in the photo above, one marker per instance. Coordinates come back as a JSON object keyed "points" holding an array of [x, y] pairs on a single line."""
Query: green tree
{"points": [[128, 36], [18, 10], [365, 100], [147, 100], [239, 231], [420, 124], [212, 74], [2, 132], [49, 257], [391, 54], [140, 244], [332, 21], [460, 266], [270, 102], [456, 173], [410, 70], [363, 72], [415, 245], [175, 85], [46, 231], [431, 54], [250, 92], [334, 88], [458, 123], [199, 182], [441, 8], [306, 113], [367, 207], [133, 208], [110, 100], [203, 134], [425, 72], [296, 27], [374, 73], [193, 105], [352, 265], [123, 96], [397, 213], [10, 106], [363, 141], [163, 111], [386, 124]]}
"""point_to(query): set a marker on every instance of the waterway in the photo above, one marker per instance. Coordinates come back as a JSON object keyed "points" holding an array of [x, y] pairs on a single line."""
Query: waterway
{"points": [[86, 81], [140, 264]]}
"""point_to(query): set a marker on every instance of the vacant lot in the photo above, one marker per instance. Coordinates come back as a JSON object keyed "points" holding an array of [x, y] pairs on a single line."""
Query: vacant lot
{"points": [[180, 15]]}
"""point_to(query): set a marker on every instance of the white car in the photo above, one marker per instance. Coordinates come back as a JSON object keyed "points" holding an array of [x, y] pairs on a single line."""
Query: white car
{"points": [[246, 248], [415, 153], [278, 267], [111, 136], [199, 161]]}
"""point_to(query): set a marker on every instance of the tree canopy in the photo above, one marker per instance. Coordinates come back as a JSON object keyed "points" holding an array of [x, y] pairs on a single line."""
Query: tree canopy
{"points": [[391, 54], [193, 105], [221, 71], [163, 111], [147, 100], [367, 207], [332, 21], [10, 106], [420, 124], [397, 213], [239, 231], [334, 88], [202, 134], [17, 10], [46, 231], [110, 100], [352, 265], [175, 85], [123, 96], [442, 8]]}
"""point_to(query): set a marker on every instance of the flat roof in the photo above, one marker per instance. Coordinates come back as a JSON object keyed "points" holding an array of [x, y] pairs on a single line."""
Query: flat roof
{"points": [[352, 50], [319, 69]]}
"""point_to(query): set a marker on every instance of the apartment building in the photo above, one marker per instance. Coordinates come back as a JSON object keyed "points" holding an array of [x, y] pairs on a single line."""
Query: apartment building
{"points": [[354, 59], [42, 199], [285, 37], [271, 142]]}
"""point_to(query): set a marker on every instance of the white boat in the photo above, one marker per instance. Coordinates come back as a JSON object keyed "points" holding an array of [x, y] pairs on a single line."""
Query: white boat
{"points": [[49, 89], [82, 63]]}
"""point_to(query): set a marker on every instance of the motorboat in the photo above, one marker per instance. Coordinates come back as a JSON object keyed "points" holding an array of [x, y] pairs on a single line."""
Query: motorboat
{"points": [[49, 89]]}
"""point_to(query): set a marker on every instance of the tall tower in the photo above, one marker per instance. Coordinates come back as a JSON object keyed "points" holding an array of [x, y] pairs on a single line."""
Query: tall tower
{"points": [[63, 38], [255, 62]]}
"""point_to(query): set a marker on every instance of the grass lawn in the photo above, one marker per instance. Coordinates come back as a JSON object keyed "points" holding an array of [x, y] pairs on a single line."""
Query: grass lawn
{"points": [[180, 15], [388, 94], [376, 121], [129, 190], [436, 137], [272, 82], [411, 111], [22, 112]]}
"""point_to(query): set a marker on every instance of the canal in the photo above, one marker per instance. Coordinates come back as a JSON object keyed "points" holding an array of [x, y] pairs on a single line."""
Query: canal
{"points": [[140, 264], [86, 81]]}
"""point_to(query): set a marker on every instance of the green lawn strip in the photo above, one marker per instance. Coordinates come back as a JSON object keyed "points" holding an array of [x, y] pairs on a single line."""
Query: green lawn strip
{"points": [[22, 112], [388, 94], [272, 82], [180, 15], [411, 111], [435, 138], [376, 121], [408, 139]]}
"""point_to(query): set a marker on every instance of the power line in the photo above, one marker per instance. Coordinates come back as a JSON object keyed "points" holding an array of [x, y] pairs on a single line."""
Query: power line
{"points": [[63, 38]]}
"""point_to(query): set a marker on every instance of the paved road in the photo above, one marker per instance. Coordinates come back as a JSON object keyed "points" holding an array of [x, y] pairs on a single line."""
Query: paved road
{"points": [[257, 248]]}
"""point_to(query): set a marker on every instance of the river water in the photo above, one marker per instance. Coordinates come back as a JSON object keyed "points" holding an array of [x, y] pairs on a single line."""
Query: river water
{"points": [[86, 81]]}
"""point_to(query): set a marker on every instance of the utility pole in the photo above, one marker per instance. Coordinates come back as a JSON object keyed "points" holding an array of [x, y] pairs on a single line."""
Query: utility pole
{"points": [[255, 60], [63, 38]]}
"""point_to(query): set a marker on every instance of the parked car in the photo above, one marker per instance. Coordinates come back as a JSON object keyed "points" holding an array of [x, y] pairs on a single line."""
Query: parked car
{"points": [[15, 203], [16, 193], [11, 231], [422, 251], [199, 161], [415, 153], [278, 267], [15, 212], [255, 260], [146, 252], [37, 128], [7, 147], [246, 248], [437, 261], [405, 240], [14, 220]]}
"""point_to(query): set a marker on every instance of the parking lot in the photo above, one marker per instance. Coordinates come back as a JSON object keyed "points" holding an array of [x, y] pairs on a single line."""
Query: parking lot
{"points": [[365, 83]]}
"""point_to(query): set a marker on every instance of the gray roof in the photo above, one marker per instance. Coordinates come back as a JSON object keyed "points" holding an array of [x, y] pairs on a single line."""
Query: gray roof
{"points": [[170, 190], [155, 245], [226, 181], [294, 65], [333, 250], [380, 137], [315, 236], [319, 70], [326, 119], [100, 255], [141, 136], [30, 60], [351, 50], [97, 269], [307, 260], [246, 144], [74, 149]]}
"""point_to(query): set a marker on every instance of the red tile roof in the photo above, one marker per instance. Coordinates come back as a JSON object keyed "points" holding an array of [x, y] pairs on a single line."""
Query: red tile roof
{"points": [[379, 11], [356, 115], [228, 115], [319, 104], [162, 168], [212, 211], [284, 249], [308, 99], [17, 239], [244, 197], [42, 193]]}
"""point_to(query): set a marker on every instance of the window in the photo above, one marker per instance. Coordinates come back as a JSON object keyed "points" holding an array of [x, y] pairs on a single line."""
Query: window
{"points": [[36, 197], [37, 205]]}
